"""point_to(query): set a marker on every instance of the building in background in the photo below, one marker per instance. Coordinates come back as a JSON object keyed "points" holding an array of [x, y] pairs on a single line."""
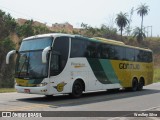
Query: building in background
{"points": [[63, 27], [57, 27]]}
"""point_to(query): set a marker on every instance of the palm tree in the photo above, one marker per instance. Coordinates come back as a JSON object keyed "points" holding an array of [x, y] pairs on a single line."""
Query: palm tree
{"points": [[138, 34], [122, 21], [142, 10]]}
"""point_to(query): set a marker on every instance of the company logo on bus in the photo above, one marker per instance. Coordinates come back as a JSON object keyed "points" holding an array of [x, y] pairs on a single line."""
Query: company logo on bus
{"points": [[129, 66], [60, 86], [78, 65]]}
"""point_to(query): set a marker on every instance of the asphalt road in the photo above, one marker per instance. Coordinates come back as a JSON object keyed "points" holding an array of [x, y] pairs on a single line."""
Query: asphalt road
{"points": [[146, 100]]}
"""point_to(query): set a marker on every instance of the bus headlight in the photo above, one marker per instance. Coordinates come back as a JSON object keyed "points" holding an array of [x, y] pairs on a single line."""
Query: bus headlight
{"points": [[41, 84], [16, 84]]}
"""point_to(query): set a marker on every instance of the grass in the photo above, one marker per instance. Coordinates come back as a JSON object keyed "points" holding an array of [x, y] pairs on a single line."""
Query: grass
{"points": [[156, 75], [5, 90]]}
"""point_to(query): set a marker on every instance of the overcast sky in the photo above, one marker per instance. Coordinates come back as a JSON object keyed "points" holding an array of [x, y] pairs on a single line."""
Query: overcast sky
{"points": [[91, 12]]}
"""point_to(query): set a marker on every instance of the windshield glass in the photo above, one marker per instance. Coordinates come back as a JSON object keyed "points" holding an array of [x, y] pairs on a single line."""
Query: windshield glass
{"points": [[29, 65], [29, 61], [36, 44]]}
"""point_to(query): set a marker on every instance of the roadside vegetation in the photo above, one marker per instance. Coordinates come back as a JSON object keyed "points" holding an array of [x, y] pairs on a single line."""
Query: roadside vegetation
{"points": [[4, 90], [156, 75]]}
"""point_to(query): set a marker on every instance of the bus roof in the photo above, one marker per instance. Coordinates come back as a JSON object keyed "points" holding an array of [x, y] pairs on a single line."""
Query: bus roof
{"points": [[49, 35], [96, 39], [109, 41], [114, 42]]}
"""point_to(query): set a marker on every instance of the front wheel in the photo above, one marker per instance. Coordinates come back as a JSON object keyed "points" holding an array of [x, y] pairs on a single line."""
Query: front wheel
{"points": [[77, 89]]}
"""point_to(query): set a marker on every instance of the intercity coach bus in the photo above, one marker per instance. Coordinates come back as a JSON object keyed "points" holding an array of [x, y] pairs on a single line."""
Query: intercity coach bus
{"points": [[51, 64]]}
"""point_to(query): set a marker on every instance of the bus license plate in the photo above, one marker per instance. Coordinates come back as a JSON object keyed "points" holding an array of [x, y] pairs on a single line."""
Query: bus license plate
{"points": [[27, 90]]}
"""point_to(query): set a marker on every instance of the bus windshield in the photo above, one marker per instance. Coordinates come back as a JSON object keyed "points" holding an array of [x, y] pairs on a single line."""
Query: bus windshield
{"points": [[36, 44], [29, 61]]}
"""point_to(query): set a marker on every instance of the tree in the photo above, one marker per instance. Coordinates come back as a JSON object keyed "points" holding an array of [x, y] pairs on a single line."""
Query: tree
{"points": [[122, 21], [142, 10], [138, 34], [104, 31], [26, 29], [7, 24]]}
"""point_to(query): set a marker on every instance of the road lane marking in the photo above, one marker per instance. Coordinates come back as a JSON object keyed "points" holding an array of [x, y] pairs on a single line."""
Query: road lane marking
{"points": [[151, 108]]}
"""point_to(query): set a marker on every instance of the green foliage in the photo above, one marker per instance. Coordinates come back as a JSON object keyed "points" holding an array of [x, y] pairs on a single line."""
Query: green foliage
{"points": [[4, 90], [142, 10], [109, 33], [6, 73], [8, 44], [7, 24], [40, 30], [26, 29], [140, 35], [29, 29], [156, 75], [122, 21], [103, 31]]}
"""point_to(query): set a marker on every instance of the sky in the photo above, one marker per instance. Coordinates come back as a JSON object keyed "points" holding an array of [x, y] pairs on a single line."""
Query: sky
{"points": [[91, 12]]}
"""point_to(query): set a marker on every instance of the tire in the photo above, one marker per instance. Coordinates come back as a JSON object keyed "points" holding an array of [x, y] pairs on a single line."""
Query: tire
{"points": [[140, 85], [77, 89], [134, 85]]}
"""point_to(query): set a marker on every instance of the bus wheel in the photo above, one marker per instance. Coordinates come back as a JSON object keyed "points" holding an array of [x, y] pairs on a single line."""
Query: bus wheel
{"points": [[140, 84], [134, 85], [77, 89]]}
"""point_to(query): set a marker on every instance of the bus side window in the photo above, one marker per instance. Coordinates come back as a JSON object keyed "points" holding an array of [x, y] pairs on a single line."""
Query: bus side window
{"points": [[60, 52], [119, 53], [78, 48], [55, 64], [104, 52], [149, 57], [130, 54]]}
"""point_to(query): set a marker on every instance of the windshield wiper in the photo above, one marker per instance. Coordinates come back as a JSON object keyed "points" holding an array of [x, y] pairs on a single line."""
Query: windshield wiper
{"points": [[22, 65]]}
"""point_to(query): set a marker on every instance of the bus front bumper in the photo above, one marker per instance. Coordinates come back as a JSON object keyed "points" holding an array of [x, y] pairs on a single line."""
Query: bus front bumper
{"points": [[32, 90]]}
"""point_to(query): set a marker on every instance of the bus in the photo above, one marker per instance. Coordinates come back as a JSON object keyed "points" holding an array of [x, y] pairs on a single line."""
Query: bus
{"points": [[57, 63]]}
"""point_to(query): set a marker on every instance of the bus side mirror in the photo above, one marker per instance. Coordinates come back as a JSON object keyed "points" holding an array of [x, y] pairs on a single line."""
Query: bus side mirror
{"points": [[44, 54], [9, 54]]}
